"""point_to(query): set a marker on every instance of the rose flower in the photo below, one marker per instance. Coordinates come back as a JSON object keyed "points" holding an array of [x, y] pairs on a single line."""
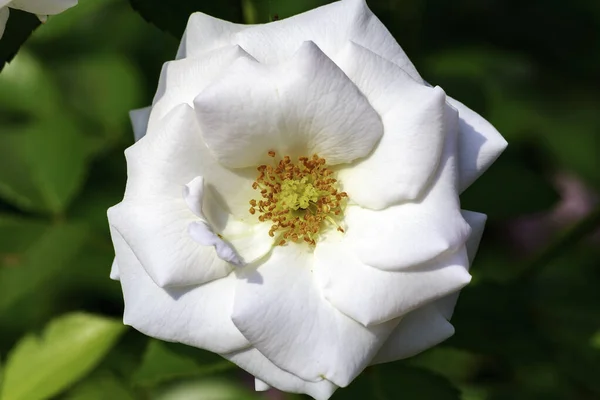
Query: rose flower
{"points": [[293, 204]]}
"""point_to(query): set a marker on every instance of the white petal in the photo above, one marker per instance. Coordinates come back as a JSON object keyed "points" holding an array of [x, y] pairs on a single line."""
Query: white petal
{"points": [[157, 232], [251, 241], [330, 27], [415, 120], [196, 316], [418, 331], [139, 121], [247, 242], [172, 154], [202, 233], [193, 193], [260, 386], [479, 144], [279, 309], [114, 271], [43, 7], [4, 13], [204, 33], [409, 234], [372, 296], [182, 80], [302, 107], [258, 365], [477, 223]]}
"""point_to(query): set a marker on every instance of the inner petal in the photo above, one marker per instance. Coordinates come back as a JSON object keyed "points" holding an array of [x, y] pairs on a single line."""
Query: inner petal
{"points": [[415, 120], [239, 243], [306, 105]]}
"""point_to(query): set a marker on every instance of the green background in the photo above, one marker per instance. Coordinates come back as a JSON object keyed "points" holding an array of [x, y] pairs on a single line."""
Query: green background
{"points": [[528, 327]]}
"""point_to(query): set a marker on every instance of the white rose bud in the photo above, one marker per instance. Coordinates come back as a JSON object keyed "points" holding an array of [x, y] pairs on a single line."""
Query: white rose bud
{"points": [[294, 203], [42, 8]]}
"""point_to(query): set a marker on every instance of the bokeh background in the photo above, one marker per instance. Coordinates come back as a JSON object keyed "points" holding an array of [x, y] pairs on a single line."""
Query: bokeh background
{"points": [[528, 327]]}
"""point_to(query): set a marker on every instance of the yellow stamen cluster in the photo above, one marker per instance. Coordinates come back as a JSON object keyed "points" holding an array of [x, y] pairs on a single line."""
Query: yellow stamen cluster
{"points": [[299, 198]]}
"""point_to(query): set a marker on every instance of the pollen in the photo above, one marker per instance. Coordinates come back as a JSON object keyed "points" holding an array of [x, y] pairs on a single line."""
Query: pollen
{"points": [[300, 199]]}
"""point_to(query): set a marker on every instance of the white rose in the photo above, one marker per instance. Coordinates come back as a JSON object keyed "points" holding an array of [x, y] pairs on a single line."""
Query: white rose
{"points": [[308, 296], [42, 8]]}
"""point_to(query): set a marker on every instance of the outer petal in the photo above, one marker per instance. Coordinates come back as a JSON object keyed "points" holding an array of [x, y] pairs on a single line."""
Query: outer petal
{"points": [[477, 223], [4, 13], [139, 121], [43, 7], [258, 365], [330, 27], [154, 217], [172, 154], [427, 326], [479, 144], [261, 386], [197, 316], [410, 234], [301, 107], [158, 234], [279, 309], [372, 296], [415, 120], [114, 271], [418, 331], [182, 80]]}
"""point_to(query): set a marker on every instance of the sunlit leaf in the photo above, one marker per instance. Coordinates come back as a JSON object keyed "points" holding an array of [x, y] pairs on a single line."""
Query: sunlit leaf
{"points": [[208, 390], [40, 366]]}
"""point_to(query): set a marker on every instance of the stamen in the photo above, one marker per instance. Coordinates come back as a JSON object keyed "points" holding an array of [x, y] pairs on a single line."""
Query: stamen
{"points": [[300, 199]]}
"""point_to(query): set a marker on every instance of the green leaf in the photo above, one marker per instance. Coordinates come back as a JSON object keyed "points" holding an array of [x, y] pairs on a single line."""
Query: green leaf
{"points": [[208, 390], [97, 78], [397, 381], [172, 16], [61, 25], [42, 164], [19, 27], [40, 367], [100, 386], [168, 361], [22, 77], [31, 252]]}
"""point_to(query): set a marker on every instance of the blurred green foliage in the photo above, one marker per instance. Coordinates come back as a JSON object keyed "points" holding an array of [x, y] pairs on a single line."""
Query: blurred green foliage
{"points": [[528, 327]]}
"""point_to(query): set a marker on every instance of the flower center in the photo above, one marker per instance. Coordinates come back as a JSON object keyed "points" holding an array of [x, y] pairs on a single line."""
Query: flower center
{"points": [[300, 198]]}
